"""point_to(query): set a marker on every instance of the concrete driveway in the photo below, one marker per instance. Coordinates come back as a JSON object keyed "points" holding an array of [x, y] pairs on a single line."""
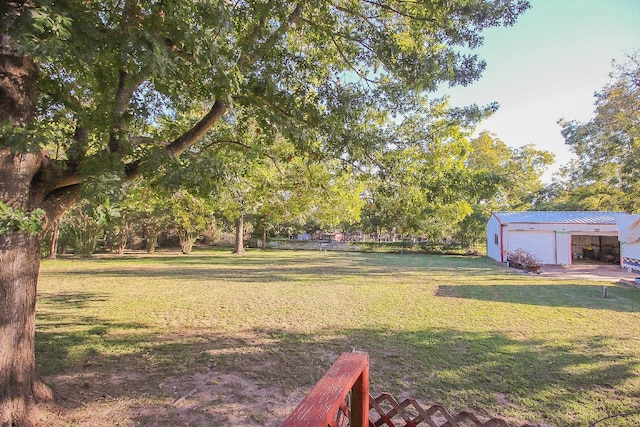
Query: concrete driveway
{"points": [[600, 272]]}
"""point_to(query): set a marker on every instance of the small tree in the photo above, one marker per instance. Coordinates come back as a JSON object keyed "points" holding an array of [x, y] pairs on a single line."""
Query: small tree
{"points": [[148, 209], [189, 217], [90, 219], [84, 224]]}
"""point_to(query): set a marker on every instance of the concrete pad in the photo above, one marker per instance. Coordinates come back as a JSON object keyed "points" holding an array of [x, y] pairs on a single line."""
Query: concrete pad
{"points": [[590, 271]]}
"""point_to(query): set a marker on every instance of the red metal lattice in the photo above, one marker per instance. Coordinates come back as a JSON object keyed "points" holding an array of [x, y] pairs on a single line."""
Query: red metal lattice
{"points": [[386, 411]]}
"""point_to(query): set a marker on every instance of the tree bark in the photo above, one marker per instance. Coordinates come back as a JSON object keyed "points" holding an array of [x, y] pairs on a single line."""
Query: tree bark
{"points": [[53, 240], [22, 189], [123, 237], [239, 246], [18, 76], [20, 387], [20, 261], [152, 241]]}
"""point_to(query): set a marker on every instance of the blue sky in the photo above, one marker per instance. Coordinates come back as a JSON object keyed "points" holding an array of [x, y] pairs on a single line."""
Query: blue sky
{"points": [[548, 66]]}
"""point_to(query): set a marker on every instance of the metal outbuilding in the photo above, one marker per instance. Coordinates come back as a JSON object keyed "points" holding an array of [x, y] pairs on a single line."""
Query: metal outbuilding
{"points": [[555, 237]]}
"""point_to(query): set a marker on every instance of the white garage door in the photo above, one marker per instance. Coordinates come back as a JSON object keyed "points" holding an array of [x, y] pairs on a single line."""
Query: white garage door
{"points": [[541, 244]]}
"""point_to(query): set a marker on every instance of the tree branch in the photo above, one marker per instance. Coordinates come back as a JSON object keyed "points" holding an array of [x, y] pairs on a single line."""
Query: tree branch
{"points": [[349, 65], [293, 18], [56, 174], [219, 107], [122, 97], [398, 12], [58, 202], [171, 47], [147, 140], [351, 12], [194, 134]]}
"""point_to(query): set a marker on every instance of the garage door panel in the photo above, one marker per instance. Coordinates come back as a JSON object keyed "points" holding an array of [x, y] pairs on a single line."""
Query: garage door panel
{"points": [[541, 244]]}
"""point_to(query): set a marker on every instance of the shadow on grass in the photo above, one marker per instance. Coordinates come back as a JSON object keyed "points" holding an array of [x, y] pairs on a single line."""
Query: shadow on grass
{"points": [[309, 266], [489, 373], [273, 274], [65, 341], [619, 298], [72, 300]]}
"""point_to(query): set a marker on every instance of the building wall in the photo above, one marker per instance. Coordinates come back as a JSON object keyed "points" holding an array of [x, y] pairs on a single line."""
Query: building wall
{"points": [[564, 255], [541, 244], [551, 243], [594, 229], [494, 239]]}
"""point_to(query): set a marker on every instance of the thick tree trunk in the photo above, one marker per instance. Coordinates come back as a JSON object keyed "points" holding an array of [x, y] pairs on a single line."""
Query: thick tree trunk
{"points": [[30, 181], [239, 246], [20, 261], [19, 385], [19, 250], [18, 75]]}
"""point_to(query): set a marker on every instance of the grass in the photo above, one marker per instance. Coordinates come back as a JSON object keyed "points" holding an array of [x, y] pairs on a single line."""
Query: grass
{"points": [[138, 332]]}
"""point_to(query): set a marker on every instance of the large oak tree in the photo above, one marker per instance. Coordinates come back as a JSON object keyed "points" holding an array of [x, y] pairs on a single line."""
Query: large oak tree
{"points": [[119, 86]]}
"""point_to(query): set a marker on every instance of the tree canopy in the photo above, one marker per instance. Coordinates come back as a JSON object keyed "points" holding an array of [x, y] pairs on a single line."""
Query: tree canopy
{"points": [[124, 83]]}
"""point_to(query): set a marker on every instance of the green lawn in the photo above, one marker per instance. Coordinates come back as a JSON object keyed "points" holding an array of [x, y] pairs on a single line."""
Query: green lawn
{"points": [[215, 339]]}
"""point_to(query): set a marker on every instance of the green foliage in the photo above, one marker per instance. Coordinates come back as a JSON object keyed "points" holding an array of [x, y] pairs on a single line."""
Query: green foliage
{"points": [[606, 173], [146, 207], [128, 79], [82, 226], [89, 220], [506, 178], [499, 178], [410, 247], [309, 93], [437, 183], [420, 182], [18, 221], [190, 217]]}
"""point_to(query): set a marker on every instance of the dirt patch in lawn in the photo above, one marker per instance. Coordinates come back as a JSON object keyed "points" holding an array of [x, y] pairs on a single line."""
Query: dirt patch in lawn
{"points": [[198, 397], [191, 381], [204, 399]]}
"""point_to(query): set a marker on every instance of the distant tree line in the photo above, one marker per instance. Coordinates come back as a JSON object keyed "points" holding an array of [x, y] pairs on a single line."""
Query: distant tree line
{"points": [[429, 181]]}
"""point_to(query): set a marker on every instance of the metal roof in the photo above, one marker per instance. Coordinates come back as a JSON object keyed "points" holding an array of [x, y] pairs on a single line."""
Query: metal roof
{"points": [[559, 217]]}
